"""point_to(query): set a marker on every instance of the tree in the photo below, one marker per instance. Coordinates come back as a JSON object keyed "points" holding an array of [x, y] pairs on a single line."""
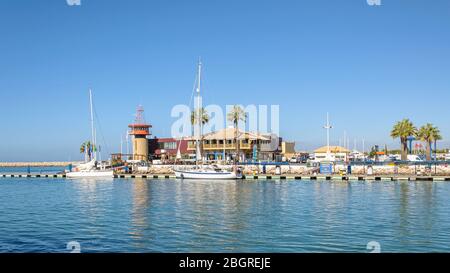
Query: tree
{"points": [[204, 120], [204, 116], [373, 152], [404, 129], [237, 114], [86, 148], [429, 133]]}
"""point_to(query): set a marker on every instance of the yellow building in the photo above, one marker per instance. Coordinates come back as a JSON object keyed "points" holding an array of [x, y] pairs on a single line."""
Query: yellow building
{"points": [[288, 149], [221, 145], [139, 130]]}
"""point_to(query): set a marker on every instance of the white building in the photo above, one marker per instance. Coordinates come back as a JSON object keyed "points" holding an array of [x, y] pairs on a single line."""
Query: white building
{"points": [[356, 155], [336, 153]]}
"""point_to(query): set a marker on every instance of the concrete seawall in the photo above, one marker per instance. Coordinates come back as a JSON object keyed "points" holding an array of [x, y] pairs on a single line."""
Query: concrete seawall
{"points": [[304, 170], [37, 164], [317, 178]]}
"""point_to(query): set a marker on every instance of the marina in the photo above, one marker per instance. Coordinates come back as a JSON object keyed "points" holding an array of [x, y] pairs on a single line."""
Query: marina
{"points": [[241, 130]]}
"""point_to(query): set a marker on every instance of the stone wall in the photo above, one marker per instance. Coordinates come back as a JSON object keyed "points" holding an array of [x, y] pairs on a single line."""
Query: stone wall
{"points": [[304, 170]]}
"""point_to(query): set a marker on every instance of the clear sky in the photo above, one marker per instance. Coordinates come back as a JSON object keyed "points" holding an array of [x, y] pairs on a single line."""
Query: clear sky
{"points": [[368, 66]]}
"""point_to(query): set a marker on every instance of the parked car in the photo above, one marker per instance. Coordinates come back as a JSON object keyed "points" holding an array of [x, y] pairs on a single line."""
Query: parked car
{"points": [[447, 156], [293, 159], [416, 158]]}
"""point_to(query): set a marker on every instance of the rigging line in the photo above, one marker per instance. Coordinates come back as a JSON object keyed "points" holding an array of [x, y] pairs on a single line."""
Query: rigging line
{"points": [[101, 131], [193, 91], [190, 103]]}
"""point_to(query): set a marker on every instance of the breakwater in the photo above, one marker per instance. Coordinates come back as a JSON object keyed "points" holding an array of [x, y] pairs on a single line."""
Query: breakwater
{"points": [[37, 164]]}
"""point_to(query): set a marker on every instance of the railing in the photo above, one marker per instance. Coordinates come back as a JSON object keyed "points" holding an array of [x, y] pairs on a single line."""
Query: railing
{"points": [[398, 163], [216, 146]]}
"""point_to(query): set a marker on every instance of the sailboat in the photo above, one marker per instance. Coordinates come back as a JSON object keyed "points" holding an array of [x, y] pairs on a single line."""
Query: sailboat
{"points": [[200, 171], [91, 168]]}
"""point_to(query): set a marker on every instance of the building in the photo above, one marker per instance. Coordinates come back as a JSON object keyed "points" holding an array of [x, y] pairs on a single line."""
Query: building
{"points": [[167, 148], [139, 130], [221, 145], [337, 153], [288, 149], [356, 156]]}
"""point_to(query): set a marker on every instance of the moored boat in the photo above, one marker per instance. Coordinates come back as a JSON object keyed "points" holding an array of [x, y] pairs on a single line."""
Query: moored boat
{"points": [[201, 171], [90, 173], [206, 172], [91, 168]]}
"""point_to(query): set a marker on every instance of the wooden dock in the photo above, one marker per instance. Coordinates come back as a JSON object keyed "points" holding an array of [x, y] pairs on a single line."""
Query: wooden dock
{"points": [[350, 178]]}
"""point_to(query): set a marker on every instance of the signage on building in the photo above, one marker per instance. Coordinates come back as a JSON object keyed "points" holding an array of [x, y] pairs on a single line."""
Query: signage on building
{"points": [[326, 168]]}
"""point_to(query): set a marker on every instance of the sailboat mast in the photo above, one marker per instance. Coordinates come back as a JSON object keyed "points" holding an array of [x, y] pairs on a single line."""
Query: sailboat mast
{"points": [[328, 127], [199, 118], [92, 123]]}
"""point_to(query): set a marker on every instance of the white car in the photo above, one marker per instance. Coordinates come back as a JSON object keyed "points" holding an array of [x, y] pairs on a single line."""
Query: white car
{"points": [[447, 156], [415, 158]]}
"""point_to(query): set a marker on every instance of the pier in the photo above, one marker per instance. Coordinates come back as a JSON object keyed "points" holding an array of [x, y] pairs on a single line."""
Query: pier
{"points": [[319, 178]]}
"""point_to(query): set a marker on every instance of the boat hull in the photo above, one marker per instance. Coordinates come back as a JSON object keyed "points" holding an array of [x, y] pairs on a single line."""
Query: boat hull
{"points": [[82, 174], [205, 175]]}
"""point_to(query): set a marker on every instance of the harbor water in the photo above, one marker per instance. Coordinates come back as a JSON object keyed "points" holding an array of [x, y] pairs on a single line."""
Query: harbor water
{"points": [[140, 215]]}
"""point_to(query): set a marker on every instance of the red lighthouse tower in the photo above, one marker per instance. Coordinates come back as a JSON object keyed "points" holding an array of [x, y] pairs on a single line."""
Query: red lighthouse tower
{"points": [[140, 130]]}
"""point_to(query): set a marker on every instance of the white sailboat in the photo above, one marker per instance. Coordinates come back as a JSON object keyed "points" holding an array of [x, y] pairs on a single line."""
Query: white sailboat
{"points": [[210, 172], [91, 168], [200, 171]]}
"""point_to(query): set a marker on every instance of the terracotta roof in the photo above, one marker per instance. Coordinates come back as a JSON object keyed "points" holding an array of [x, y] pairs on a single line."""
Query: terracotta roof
{"points": [[333, 149], [228, 133]]}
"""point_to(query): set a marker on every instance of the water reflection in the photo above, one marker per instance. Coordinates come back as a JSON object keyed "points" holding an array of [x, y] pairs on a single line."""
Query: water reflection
{"points": [[215, 208], [225, 214], [136, 215], [93, 203], [139, 211], [90, 190]]}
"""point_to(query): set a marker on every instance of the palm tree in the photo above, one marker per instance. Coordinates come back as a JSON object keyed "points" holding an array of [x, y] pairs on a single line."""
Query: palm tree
{"points": [[237, 114], [429, 133], [404, 129], [204, 116], [204, 120], [86, 148]]}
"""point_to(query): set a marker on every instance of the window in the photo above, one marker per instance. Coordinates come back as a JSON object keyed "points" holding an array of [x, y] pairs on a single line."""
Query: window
{"points": [[168, 145]]}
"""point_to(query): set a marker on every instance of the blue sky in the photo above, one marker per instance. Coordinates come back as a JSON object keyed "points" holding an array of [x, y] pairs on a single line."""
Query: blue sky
{"points": [[368, 66]]}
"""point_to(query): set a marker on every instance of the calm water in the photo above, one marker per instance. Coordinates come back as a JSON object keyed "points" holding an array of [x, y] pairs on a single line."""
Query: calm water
{"points": [[43, 215]]}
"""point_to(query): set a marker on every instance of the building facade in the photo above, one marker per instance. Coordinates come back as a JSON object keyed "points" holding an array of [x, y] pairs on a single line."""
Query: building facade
{"points": [[221, 145], [167, 148], [139, 130], [337, 153]]}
